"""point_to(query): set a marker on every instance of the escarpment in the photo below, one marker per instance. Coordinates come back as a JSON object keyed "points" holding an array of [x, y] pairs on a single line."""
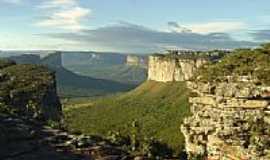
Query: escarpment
{"points": [[168, 69], [29, 90], [230, 103]]}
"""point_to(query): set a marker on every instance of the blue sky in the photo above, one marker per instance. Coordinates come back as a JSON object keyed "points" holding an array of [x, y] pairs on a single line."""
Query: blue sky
{"points": [[133, 25]]}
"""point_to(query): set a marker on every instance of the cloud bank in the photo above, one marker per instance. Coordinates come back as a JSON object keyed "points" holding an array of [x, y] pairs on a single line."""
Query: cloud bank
{"points": [[127, 37]]}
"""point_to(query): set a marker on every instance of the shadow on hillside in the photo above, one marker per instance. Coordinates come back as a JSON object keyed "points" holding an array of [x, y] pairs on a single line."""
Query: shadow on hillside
{"points": [[73, 85], [20, 140]]}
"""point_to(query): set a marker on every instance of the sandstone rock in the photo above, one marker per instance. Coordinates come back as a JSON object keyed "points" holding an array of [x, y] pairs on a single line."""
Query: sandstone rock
{"points": [[168, 69], [226, 122]]}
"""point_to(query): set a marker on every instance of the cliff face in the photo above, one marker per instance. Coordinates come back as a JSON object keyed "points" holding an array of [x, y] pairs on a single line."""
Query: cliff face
{"points": [[230, 120], [230, 103], [29, 90], [167, 69]]}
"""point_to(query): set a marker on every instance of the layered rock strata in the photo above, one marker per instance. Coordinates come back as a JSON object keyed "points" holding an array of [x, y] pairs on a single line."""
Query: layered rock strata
{"points": [[230, 120], [168, 69]]}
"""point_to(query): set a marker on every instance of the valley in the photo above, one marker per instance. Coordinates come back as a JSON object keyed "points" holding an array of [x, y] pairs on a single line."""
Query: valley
{"points": [[157, 107], [191, 104], [134, 80]]}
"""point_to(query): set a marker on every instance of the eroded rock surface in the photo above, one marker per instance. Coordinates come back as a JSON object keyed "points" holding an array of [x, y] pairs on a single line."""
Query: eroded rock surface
{"points": [[169, 69], [230, 120]]}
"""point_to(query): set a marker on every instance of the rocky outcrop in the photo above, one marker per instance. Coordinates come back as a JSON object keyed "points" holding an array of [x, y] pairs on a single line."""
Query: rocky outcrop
{"points": [[230, 120], [27, 139], [29, 90], [168, 69]]}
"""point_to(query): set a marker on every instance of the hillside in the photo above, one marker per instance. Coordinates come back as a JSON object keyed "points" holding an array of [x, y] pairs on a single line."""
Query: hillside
{"points": [[157, 108], [74, 85]]}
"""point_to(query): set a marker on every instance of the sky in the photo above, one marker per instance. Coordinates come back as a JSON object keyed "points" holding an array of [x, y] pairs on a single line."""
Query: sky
{"points": [[133, 26]]}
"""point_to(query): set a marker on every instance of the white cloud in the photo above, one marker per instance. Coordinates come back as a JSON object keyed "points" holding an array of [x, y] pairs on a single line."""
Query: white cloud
{"points": [[209, 27], [212, 27], [63, 14]]}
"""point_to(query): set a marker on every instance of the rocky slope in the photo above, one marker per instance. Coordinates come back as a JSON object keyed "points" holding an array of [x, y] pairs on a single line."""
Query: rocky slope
{"points": [[230, 103], [23, 138]]}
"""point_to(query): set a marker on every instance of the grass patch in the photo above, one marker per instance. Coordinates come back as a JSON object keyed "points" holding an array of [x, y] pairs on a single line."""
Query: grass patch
{"points": [[158, 108]]}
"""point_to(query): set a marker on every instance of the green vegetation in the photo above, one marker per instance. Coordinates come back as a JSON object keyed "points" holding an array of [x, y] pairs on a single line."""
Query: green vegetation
{"points": [[242, 62], [211, 54], [28, 77], [5, 63], [24, 81], [28, 90], [157, 108]]}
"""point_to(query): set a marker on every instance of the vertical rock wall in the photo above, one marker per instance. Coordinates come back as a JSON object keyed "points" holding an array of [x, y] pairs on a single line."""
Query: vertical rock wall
{"points": [[167, 69]]}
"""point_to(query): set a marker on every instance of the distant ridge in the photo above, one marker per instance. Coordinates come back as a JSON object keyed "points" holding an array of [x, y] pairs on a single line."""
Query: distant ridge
{"points": [[71, 84]]}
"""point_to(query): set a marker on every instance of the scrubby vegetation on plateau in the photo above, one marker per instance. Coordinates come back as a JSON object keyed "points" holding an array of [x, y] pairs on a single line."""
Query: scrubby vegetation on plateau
{"points": [[242, 62], [211, 54], [154, 111]]}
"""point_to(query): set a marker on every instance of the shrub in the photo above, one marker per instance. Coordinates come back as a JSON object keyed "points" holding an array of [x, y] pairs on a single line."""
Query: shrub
{"points": [[242, 62]]}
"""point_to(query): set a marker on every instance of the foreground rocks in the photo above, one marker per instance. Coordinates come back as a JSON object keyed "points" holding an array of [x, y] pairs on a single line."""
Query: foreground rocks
{"points": [[230, 120], [24, 139]]}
